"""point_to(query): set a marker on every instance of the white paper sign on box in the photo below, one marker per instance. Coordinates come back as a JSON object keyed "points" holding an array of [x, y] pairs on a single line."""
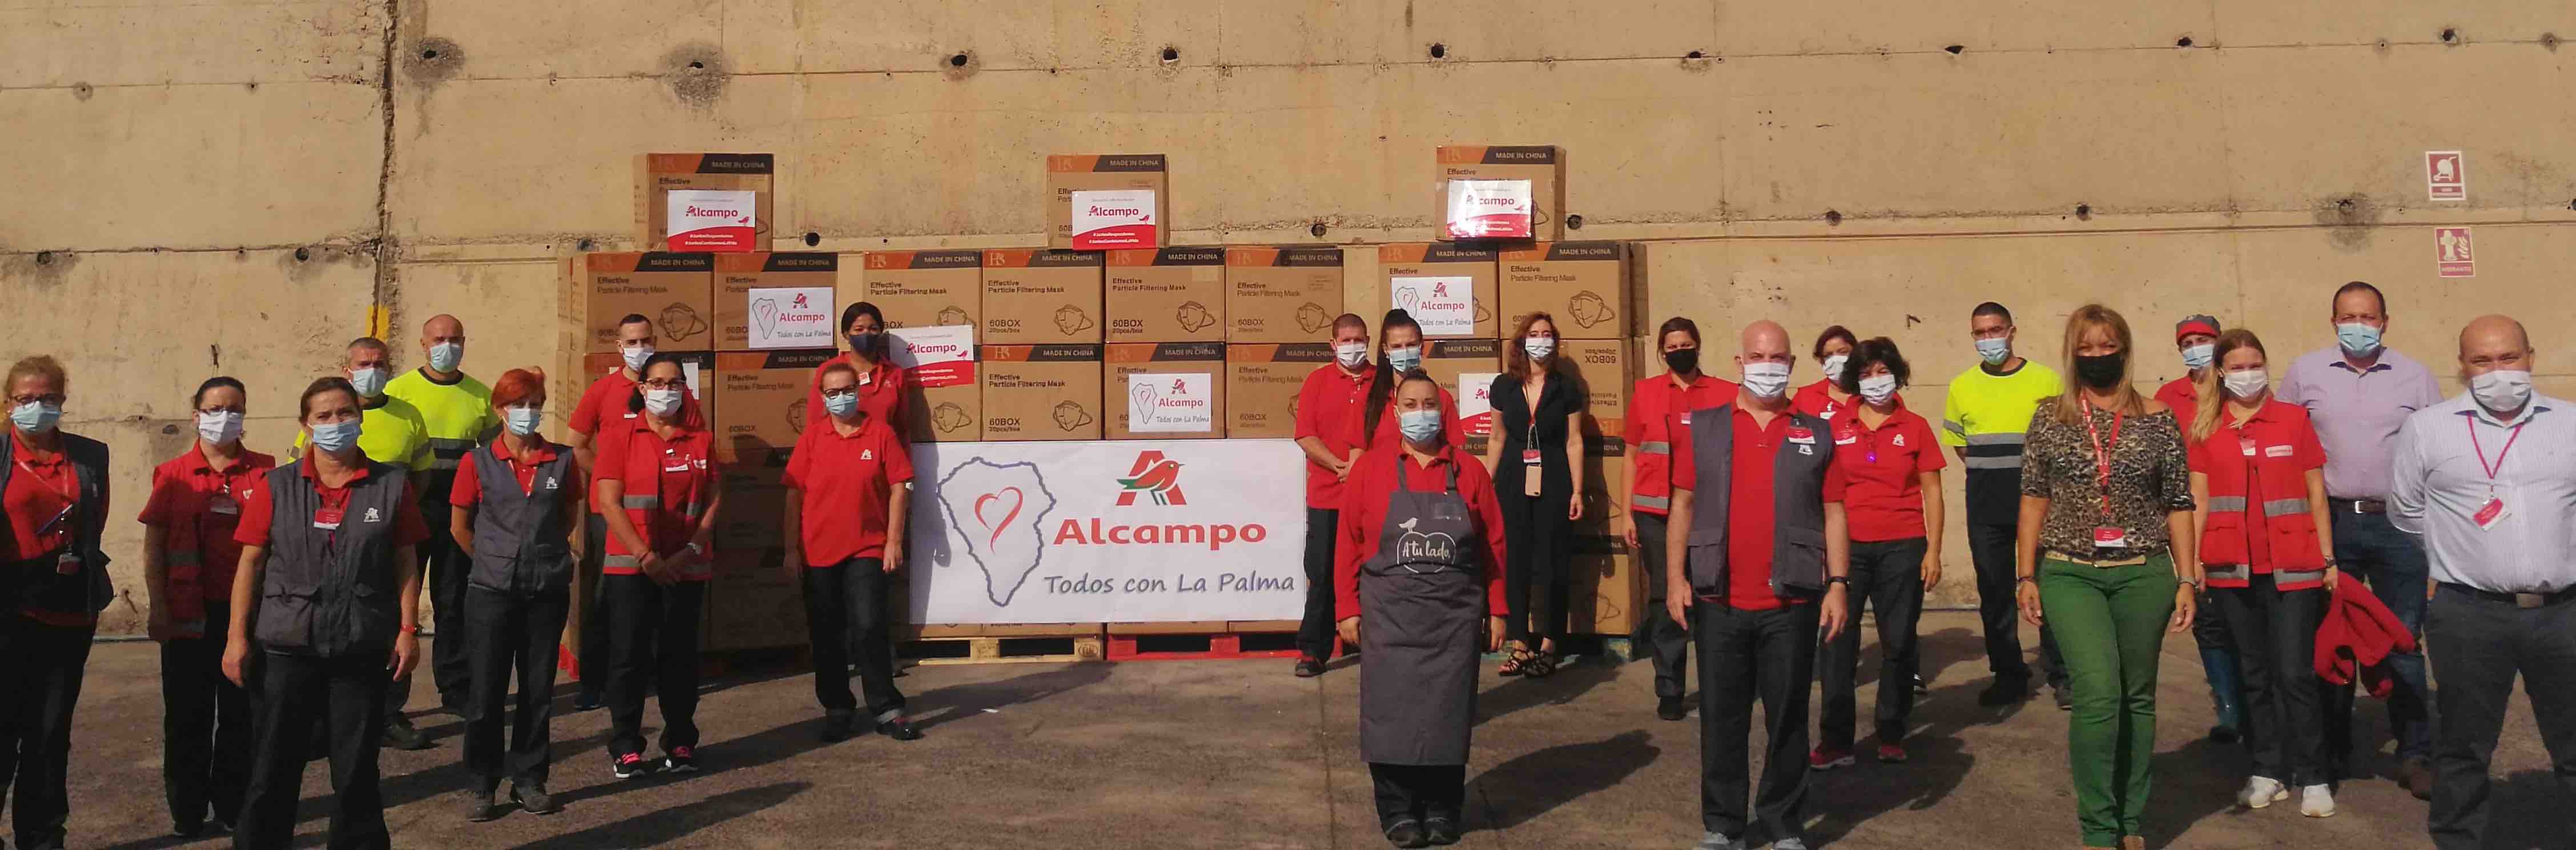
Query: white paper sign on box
{"points": [[704, 220], [1113, 218], [935, 356], [792, 317], [1476, 402], [1444, 306], [1489, 209], [1178, 403]]}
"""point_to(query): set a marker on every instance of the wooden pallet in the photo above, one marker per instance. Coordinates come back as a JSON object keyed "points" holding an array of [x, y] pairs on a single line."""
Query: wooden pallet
{"points": [[1003, 649], [1213, 640]]}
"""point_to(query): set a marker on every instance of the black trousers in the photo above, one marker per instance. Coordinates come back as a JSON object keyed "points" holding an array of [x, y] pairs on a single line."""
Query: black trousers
{"points": [[205, 728], [506, 631], [652, 635], [845, 614], [2479, 645], [1887, 576], [1539, 542], [2275, 634], [1665, 641], [1742, 655], [1990, 547], [43, 670], [1315, 628], [591, 653], [1419, 792], [443, 569], [292, 696]]}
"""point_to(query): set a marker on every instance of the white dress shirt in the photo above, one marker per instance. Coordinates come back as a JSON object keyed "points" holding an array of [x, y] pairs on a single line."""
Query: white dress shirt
{"points": [[2441, 486]]}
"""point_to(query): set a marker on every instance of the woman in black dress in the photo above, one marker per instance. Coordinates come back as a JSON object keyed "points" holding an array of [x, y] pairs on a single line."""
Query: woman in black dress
{"points": [[1538, 423]]}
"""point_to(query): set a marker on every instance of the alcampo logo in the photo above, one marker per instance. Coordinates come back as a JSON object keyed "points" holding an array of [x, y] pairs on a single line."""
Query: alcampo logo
{"points": [[1440, 290], [1153, 475], [799, 303]]}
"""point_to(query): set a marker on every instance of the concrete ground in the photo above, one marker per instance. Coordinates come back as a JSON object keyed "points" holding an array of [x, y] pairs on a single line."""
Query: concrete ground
{"points": [[1240, 754]]}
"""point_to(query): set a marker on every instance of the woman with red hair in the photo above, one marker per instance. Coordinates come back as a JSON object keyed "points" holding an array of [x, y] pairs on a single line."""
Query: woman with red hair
{"points": [[518, 511]]}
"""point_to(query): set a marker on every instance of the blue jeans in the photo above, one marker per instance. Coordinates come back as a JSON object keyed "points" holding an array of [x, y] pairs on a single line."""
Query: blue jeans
{"points": [[2367, 547]]}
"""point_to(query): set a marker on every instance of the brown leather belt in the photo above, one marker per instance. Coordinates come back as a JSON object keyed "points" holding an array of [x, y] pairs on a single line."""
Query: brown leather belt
{"points": [[2359, 506], [2518, 600]]}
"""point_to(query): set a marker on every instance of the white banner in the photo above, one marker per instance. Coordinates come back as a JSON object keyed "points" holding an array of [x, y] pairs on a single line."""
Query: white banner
{"points": [[1443, 306], [1107, 532]]}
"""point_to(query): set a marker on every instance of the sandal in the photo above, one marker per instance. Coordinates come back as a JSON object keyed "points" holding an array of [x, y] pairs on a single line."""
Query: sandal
{"points": [[1540, 665], [1516, 663]]}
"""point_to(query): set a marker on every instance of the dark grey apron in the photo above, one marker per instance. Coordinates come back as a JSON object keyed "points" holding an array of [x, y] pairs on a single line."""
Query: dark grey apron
{"points": [[1421, 600]]}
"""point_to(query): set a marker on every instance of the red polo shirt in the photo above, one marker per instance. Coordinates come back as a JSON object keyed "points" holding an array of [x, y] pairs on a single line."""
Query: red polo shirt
{"points": [[260, 512], [1361, 527], [604, 404], [680, 470], [2279, 441], [191, 499], [1324, 405], [2184, 397], [1656, 410], [1752, 523], [468, 491], [1817, 400], [880, 393], [847, 481], [1884, 470], [38, 492], [1388, 436]]}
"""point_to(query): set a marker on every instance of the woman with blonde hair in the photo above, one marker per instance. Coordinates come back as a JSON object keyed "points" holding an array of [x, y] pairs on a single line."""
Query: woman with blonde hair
{"points": [[2105, 558]]}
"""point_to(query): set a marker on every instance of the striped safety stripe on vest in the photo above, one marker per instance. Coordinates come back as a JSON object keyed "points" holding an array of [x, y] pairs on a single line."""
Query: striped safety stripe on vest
{"points": [[1660, 503], [1992, 451], [2272, 509], [445, 453], [646, 502]]}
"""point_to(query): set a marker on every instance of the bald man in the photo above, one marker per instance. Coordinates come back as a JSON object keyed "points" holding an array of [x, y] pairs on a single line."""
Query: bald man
{"points": [[1767, 565], [456, 411], [2485, 478]]}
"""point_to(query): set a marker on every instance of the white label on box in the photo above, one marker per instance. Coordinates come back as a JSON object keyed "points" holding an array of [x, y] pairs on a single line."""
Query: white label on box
{"points": [[689, 371], [938, 356], [1444, 306], [1183, 403], [703, 220], [792, 317], [1113, 218], [1476, 403], [1489, 209]]}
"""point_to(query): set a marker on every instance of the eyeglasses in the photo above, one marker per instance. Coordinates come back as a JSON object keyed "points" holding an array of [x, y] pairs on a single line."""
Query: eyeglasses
{"points": [[842, 392], [659, 384], [48, 398]]}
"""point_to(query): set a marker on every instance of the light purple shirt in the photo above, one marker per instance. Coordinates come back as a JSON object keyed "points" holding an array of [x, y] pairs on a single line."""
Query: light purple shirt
{"points": [[2357, 414], [2442, 484]]}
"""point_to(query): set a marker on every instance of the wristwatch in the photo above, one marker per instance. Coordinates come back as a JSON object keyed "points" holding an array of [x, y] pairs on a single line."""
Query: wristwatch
{"points": [[1838, 579], [695, 549]]}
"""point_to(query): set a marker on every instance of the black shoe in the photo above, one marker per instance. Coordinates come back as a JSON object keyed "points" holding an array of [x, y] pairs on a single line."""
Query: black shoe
{"points": [[836, 728], [1672, 708], [1407, 833], [899, 729], [481, 804], [587, 700], [627, 766], [401, 735], [2224, 734], [188, 830], [452, 708], [1921, 688], [680, 760], [2004, 692], [2065, 697], [1440, 831], [532, 797], [1309, 667]]}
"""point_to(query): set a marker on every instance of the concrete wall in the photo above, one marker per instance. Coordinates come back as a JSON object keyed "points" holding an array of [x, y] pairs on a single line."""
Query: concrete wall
{"points": [[443, 156]]}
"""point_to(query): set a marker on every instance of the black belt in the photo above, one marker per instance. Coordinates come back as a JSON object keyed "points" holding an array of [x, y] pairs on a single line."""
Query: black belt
{"points": [[2518, 600], [2359, 506]]}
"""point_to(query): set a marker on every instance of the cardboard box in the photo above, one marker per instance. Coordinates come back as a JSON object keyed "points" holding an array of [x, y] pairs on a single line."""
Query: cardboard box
{"points": [[1034, 297], [753, 604], [657, 175], [1466, 368], [1131, 172], [944, 403], [1583, 286], [1262, 381], [1449, 289], [1282, 294], [1165, 390], [917, 289], [1542, 165], [762, 396], [1166, 295], [804, 317], [676, 291], [1042, 392], [755, 502], [1608, 589], [1602, 366]]}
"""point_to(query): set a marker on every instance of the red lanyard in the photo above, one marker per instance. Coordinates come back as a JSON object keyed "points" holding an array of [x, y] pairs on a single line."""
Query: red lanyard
{"points": [[2102, 454], [2491, 471]]}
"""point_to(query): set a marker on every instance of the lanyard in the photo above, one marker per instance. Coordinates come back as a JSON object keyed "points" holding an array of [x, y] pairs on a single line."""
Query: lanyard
{"points": [[2491, 471], [71, 500], [2102, 454]]}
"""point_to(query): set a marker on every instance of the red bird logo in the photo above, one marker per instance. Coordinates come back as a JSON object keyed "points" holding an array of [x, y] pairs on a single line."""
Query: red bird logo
{"points": [[1155, 476]]}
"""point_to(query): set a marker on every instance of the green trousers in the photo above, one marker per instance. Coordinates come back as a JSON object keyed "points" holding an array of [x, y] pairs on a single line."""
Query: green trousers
{"points": [[2110, 626]]}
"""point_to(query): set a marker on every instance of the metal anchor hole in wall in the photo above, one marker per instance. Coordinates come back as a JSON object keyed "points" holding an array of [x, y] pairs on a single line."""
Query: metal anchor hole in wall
{"points": [[1954, 49], [1696, 54], [1317, 229], [1439, 51], [697, 66], [812, 239], [2184, 41], [957, 61], [1574, 221], [44, 258], [1833, 217], [2084, 212], [2450, 35], [303, 254], [431, 53], [1171, 55], [587, 245]]}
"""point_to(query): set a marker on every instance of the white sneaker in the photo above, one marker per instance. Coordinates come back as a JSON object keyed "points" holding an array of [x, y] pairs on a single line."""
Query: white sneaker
{"points": [[2316, 801], [2262, 791], [1718, 841]]}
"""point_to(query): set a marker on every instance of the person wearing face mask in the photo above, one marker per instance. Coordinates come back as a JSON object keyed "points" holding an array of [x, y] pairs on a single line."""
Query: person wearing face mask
{"points": [[2357, 393], [1892, 466], [2267, 550], [395, 433], [456, 411], [2485, 479], [660, 558], [1767, 568], [1400, 346], [598, 421], [189, 556], [2105, 553], [2196, 337], [1826, 397], [1538, 414], [54, 486], [518, 514], [849, 493], [880, 385], [1422, 553], [325, 610], [1658, 409], [1328, 430], [1984, 421]]}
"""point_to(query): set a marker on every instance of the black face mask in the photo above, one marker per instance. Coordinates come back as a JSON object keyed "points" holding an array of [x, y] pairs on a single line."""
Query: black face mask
{"points": [[1683, 361], [2101, 371], [865, 342]]}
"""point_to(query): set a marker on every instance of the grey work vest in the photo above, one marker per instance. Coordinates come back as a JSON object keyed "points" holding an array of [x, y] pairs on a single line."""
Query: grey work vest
{"points": [[332, 593], [519, 538], [1798, 503], [37, 582]]}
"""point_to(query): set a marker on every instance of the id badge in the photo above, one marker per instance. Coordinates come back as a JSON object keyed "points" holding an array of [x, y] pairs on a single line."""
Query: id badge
{"points": [[1685, 417], [2247, 445], [866, 378], [222, 504], [328, 519], [1530, 457], [67, 564], [2491, 513], [678, 466], [2110, 537]]}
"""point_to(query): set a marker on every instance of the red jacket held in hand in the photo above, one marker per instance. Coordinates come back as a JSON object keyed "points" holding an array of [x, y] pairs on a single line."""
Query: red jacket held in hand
{"points": [[2356, 638]]}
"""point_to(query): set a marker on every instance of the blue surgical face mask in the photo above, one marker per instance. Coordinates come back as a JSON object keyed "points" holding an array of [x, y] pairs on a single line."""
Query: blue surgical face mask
{"points": [[523, 421], [444, 356], [1994, 351], [2358, 340], [1404, 359], [36, 417], [369, 381], [1420, 427], [2197, 357], [840, 405], [336, 437]]}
